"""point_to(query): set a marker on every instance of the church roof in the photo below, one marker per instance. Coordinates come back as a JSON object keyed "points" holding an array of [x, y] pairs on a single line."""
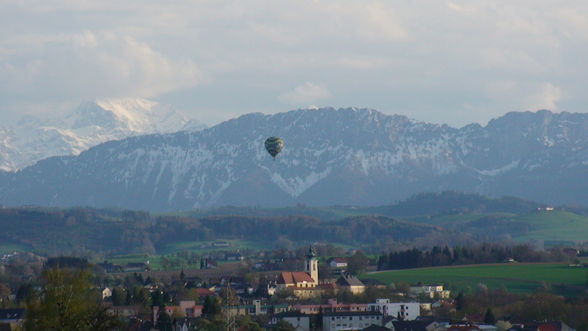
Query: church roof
{"points": [[289, 277]]}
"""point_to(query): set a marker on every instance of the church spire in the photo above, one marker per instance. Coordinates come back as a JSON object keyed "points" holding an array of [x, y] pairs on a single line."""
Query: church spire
{"points": [[311, 254]]}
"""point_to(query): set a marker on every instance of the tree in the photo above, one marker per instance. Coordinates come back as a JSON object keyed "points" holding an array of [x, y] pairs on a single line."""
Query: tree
{"points": [[247, 324], [357, 263], [164, 321], [284, 326], [118, 296], [67, 302], [489, 317], [211, 307], [4, 293], [460, 301]]}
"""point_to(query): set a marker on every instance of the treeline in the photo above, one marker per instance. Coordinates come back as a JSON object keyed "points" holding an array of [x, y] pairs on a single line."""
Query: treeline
{"points": [[83, 231], [483, 253]]}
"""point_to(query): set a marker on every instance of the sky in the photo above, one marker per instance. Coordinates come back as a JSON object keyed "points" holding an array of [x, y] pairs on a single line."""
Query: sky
{"points": [[439, 61]]}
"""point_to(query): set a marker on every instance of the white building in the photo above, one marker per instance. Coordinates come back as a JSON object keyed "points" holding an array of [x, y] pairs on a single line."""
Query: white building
{"points": [[408, 311], [431, 291], [343, 321]]}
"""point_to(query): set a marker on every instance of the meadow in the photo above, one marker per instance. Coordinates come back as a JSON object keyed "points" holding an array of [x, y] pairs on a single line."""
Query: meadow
{"points": [[514, 277]]}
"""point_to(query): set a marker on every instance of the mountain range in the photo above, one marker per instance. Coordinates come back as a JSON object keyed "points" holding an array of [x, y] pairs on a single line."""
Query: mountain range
{"points": [[332, 157], [35, 138]]}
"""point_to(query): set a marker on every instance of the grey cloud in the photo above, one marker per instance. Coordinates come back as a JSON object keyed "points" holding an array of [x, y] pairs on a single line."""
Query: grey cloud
{"points": [[444, 61]]}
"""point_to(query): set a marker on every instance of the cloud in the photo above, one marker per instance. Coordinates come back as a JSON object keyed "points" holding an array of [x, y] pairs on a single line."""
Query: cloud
{"points": [[92, 65], [431, 60], [306, 93], [547, 98]]}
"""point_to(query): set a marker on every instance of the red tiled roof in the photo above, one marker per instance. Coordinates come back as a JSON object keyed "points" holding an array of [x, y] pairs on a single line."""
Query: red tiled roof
{"points": [[340, 260], [295, 277]]}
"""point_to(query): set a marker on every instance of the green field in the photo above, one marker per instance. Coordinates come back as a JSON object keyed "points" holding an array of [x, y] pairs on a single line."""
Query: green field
{"points": [[555, 225], [519, 278], [207, 246], [552, 227]]}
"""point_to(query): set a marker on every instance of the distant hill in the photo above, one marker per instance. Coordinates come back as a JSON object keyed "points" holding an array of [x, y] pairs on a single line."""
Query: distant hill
{"points": [[356, 157], [423, 204], [450, 202]]}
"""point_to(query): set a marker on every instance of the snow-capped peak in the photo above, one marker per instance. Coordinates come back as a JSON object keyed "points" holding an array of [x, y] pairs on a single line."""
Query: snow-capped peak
{"points": [[91, 123]]}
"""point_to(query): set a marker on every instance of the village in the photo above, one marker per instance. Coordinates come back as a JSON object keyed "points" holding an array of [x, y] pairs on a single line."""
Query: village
{"points": [[230, 297]]}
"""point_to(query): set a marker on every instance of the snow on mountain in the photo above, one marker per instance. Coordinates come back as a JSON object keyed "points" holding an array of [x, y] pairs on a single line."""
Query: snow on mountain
{"points": [[32, 139], [345, 156]]}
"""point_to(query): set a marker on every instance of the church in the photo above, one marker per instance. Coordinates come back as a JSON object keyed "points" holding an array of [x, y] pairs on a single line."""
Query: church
{"points": [[305, 284]]}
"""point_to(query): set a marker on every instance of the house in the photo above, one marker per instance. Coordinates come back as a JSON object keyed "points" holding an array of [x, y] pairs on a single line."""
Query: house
{"points": [[234, 257], [430, 291], [338, 263], [203, 292], [136, 267], [188, 308], [109, 267], [351, 284], [351, 320], [406, 311], [125, 311], [300, 321]]}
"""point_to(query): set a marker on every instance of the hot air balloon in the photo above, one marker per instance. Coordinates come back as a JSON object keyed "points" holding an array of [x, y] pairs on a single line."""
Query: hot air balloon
{"points": [[274, 145]]}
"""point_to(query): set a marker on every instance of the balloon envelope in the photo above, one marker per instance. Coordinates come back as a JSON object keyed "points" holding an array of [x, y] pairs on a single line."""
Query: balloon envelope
{"points": [[274, 145]]}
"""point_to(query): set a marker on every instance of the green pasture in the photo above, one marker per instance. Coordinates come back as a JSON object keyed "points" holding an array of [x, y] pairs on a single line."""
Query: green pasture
{"points": [[518, 278], [207, 246], [555, 225]]}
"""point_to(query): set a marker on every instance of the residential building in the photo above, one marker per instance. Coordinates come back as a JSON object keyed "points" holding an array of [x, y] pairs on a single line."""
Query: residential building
{"points": [[338, 263], [331, 307], [351, 320], [407, 311], [300, 321], [430, 291]]}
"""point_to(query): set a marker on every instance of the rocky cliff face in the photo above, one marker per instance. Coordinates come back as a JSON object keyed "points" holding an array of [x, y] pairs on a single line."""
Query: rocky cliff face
{"points": [[344, 156]]}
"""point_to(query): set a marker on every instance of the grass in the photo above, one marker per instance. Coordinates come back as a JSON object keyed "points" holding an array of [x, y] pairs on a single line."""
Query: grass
{"points": [[206, 246], [155, 261], [555, 225], [518, 278]]}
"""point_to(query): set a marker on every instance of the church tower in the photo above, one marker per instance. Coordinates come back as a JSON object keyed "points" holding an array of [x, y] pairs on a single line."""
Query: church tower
{"points": [[311, 265]]}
